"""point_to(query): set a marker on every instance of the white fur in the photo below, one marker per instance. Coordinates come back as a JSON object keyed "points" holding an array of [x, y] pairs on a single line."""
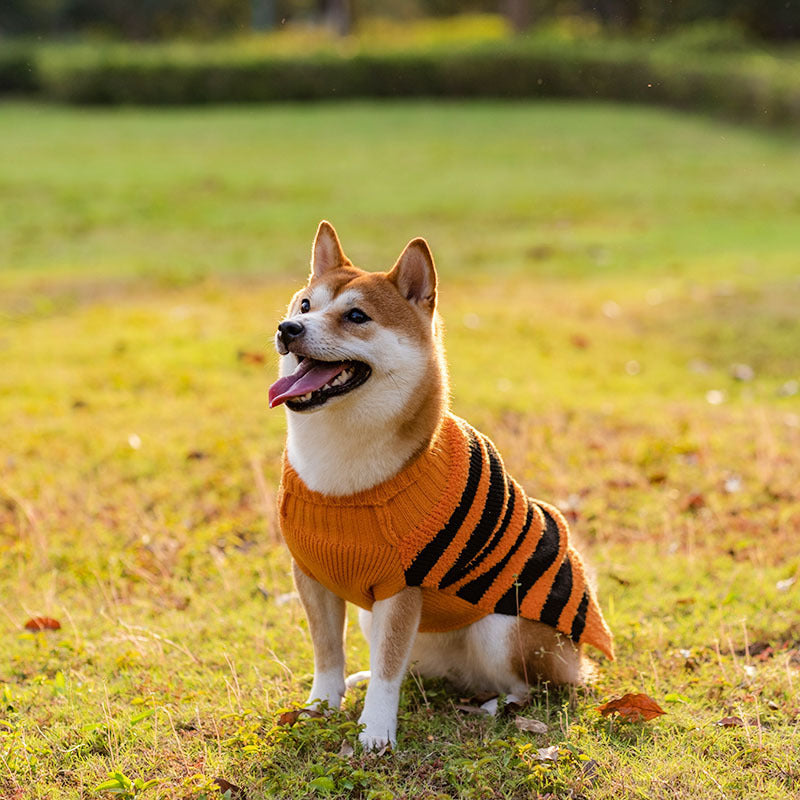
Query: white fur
{"points": [[349, 444], [326, 688], [476, 658]]}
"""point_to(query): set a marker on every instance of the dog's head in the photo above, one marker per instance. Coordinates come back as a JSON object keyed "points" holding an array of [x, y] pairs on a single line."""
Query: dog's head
{"points": [[352, 336]]}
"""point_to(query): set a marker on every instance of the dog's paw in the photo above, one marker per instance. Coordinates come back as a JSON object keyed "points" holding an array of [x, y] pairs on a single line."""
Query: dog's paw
{"points": [[378, 735], [326, 696], [376, 742]]}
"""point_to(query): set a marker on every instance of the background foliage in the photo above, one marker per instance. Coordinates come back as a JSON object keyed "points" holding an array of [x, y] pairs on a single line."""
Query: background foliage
{"points": [[148, 19]]}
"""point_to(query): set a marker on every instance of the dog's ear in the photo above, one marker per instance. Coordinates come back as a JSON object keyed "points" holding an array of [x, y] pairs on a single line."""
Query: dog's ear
{"points": [[327, 253], [414, 274]]}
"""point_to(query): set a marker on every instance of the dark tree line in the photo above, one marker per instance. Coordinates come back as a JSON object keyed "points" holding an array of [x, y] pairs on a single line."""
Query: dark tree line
{"points": [[153, 19]]}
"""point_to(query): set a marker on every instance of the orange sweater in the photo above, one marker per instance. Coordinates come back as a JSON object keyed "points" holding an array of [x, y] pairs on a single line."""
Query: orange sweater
{"points": [[457, 525]]}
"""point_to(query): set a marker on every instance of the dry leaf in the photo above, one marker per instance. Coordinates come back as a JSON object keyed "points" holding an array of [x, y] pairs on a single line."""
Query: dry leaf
{"points": [[547, 753], [250, 358], [693, 502], [227, 786], [515, 706], [530, 725], [346, 750], [42, 624], [634, 707], [580, 341], [730, 722], [290, 717]]}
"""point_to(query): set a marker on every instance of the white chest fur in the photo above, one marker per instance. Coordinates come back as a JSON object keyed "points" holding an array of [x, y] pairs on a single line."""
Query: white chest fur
{"points": [[339, 454]]}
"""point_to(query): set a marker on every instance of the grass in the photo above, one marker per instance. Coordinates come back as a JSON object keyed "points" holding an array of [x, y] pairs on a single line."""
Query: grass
{"points": [[603, 271]]}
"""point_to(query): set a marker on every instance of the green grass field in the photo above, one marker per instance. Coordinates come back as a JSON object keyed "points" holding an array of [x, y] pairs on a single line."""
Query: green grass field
{"points": [[620, 290]]}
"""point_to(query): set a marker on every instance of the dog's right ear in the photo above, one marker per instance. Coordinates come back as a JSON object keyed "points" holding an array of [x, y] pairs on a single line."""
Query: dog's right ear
{"points": [[414, 274], [327, 253]]}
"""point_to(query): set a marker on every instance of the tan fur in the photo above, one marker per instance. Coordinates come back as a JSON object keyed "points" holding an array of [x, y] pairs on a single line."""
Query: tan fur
{"points": [[541, 653], [326, 617], [402, 622]]}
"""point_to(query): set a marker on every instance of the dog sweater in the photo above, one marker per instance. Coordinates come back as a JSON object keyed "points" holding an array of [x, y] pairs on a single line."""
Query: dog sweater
{"points": [[455, 524]]}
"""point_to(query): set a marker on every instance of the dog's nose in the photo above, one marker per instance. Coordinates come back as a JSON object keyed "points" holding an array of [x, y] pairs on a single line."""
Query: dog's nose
{"points": [[290, 330]]}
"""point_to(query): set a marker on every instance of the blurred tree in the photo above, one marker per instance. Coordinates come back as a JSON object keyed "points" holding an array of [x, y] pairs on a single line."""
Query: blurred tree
{"points": [[150, 19], [263, 15], [518, 13], [337, 15], [623, 14]]}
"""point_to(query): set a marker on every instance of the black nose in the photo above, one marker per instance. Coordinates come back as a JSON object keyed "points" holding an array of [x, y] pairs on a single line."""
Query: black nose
{"points": [[290, 330]]}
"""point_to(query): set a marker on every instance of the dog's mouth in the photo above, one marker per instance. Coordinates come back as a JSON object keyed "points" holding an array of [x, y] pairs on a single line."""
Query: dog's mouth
{"points": [[314, 382]]}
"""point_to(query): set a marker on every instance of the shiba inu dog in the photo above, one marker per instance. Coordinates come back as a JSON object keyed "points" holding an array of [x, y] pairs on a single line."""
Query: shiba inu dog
{"points": [[391, 502]]}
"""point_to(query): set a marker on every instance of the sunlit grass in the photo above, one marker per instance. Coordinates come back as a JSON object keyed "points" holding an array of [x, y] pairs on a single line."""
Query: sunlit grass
{"points": [[603, 270]]}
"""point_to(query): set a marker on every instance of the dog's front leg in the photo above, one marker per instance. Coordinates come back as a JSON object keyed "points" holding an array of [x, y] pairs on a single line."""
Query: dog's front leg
{"points": [[326, 614], [392, 631]]}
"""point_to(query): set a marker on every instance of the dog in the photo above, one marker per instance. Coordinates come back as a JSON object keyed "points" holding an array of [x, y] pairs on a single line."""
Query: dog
{"points": [[389, 501]]}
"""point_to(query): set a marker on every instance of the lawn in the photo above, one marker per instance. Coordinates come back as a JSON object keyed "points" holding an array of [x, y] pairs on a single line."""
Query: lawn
{"points": [[620, 290]]}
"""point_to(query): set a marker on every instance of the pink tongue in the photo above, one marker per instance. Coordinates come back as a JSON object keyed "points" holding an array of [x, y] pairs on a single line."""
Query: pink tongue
{"points": [[308, 376]]}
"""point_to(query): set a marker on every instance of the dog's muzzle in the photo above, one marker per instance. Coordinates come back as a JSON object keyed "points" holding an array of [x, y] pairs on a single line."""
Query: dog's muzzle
{"points": [[288, 331]]}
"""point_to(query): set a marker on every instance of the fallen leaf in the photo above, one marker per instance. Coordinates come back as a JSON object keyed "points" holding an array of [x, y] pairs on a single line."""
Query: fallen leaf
{"points": [[756, 649], [530, 725], [346, 750], [693, 502], [580, 341], [227, 786], [635, 707], [250, 358], [547, 753], [730, 722], [196, 455], [515, 706], [42, 624], [288, 718], [742, 372]]}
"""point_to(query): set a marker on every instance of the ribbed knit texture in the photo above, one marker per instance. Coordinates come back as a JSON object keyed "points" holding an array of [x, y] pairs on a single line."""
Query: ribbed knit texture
{"points": [[455, 524]]}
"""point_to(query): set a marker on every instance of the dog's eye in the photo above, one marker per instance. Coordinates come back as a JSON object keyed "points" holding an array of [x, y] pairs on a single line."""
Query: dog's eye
{"points": [[356, 315], [305, 305]]}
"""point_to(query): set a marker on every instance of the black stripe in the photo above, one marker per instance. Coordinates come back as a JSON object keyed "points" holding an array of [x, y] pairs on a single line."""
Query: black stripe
{"points": [[541, 560], [499, 533], [477, 588], [426, 559], [559, 594], [493, 507], [579, 623]]}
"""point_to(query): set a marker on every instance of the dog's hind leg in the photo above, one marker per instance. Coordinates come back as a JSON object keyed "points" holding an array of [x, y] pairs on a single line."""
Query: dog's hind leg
{"points": [[326, 617]]}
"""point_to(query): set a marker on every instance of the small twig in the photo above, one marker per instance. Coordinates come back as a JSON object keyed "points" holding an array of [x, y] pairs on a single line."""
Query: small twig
{"points": [[416, 678], [266, 497], [160, 638]]}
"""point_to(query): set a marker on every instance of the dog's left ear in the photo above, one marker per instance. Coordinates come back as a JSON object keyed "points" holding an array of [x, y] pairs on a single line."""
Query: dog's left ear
{"points": [[414, 274]]}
